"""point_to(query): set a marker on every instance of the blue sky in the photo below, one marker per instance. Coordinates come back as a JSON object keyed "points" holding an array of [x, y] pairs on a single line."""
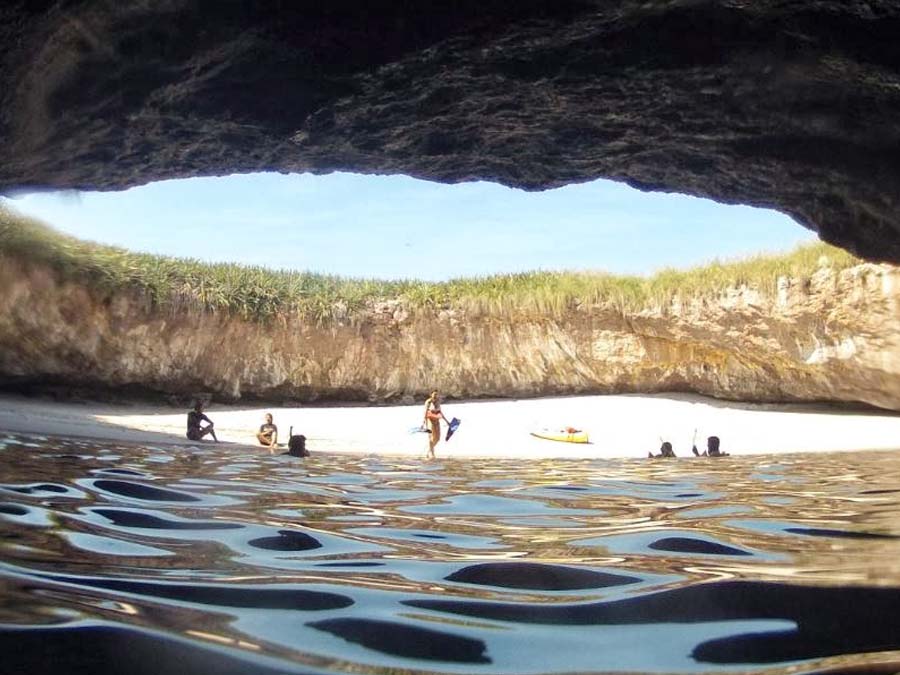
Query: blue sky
{"points": [[395, 226]]}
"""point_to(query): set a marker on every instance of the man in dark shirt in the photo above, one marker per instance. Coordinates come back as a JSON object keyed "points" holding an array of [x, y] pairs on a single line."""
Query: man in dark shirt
{"points": [[268, 433], [195, 430]]}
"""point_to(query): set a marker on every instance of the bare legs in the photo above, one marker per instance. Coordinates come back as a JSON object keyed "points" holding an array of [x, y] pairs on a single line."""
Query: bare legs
{"points": [[434, 438], [268, 439], [204, 431]]}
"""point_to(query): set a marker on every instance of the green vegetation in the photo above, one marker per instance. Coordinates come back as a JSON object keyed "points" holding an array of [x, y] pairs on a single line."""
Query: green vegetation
{"points": [[260, 294]]}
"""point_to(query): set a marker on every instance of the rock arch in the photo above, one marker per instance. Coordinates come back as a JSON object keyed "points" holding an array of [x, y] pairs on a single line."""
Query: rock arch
{"points": [[790, 104]]}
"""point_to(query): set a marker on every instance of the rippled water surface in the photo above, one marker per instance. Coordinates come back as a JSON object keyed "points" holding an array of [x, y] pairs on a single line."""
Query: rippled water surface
{"points": [[138, 559]]}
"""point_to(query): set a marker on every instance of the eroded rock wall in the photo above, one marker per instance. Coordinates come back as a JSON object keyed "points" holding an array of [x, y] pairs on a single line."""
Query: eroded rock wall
{"points": [[834, 337], [788, 104]]}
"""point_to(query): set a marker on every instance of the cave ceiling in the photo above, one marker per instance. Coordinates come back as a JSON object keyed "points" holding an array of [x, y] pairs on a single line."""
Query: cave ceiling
{"points": [[792, 105]]}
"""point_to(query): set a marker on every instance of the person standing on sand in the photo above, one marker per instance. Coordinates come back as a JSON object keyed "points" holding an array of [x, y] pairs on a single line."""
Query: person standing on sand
{"points": [[268, 434], [195, 418], [433, 417]]}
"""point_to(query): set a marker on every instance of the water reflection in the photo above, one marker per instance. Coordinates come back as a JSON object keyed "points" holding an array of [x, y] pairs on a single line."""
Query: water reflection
{"points": [[115, 557]]}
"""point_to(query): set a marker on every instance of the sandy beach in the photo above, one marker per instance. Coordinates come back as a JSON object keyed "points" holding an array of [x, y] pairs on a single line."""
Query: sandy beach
{"points": [[619, 426]]}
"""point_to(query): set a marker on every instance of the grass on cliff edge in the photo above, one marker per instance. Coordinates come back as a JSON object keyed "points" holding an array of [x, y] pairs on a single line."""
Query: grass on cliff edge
{"points": [[260, 294]]}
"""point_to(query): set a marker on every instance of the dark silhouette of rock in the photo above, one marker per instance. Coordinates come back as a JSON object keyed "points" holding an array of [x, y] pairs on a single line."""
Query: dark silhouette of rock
{"points": [[829, 620], [536, 576], [287, 540], [220, 594], [109, 650], [136, 519], [143, 492], [790, 104], [696, 546], [411, 642]]}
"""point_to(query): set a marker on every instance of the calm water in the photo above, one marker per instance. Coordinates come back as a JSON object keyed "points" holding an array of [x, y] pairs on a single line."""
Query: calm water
{"points": [[139, 559]]}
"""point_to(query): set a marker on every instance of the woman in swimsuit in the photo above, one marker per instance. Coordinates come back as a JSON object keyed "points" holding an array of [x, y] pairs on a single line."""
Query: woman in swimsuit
{"points": [[268, 434], [433, 417]]}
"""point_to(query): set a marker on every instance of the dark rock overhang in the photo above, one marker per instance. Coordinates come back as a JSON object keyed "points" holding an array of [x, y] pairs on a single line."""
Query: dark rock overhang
{"points": [[792, 105]]}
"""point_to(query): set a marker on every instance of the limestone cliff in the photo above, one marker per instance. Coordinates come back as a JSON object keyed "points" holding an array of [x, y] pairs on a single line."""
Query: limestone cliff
{"points": [[832, 337]]}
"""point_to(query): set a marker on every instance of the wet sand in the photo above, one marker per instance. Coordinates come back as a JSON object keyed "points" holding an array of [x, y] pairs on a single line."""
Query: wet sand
{"points": [[619, 426]]}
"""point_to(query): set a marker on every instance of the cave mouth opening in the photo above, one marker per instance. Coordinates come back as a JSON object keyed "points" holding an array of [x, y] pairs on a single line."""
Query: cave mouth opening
{"points": [[343, 287], [397, 227]]}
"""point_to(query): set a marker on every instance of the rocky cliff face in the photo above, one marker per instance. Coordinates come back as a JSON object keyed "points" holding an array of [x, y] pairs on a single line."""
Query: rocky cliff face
{"points": [[787, 104], [833, 337]]}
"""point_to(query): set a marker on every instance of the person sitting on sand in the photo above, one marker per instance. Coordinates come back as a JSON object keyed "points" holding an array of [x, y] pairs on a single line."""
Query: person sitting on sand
{"points": [[665, 450], [712, 448], [433, 417], [195, 430], [268, 433]]}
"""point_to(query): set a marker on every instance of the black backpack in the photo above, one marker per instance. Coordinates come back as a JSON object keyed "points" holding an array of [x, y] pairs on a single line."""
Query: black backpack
{"points": [[297, 444]]}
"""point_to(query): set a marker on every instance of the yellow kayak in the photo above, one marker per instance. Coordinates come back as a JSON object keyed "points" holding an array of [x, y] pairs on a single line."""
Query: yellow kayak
{"points": [[568, 435]]}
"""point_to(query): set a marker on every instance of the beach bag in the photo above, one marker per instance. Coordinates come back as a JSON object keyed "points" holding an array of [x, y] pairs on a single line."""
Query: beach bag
{"points": [[297, 444]]}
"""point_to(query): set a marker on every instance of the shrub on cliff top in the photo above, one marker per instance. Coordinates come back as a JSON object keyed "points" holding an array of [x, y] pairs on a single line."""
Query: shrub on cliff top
{"points": [[261, 294]]}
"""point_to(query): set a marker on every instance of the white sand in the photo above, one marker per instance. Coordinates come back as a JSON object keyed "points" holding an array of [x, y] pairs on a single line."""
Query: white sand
{"points": [[619, 426]]}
